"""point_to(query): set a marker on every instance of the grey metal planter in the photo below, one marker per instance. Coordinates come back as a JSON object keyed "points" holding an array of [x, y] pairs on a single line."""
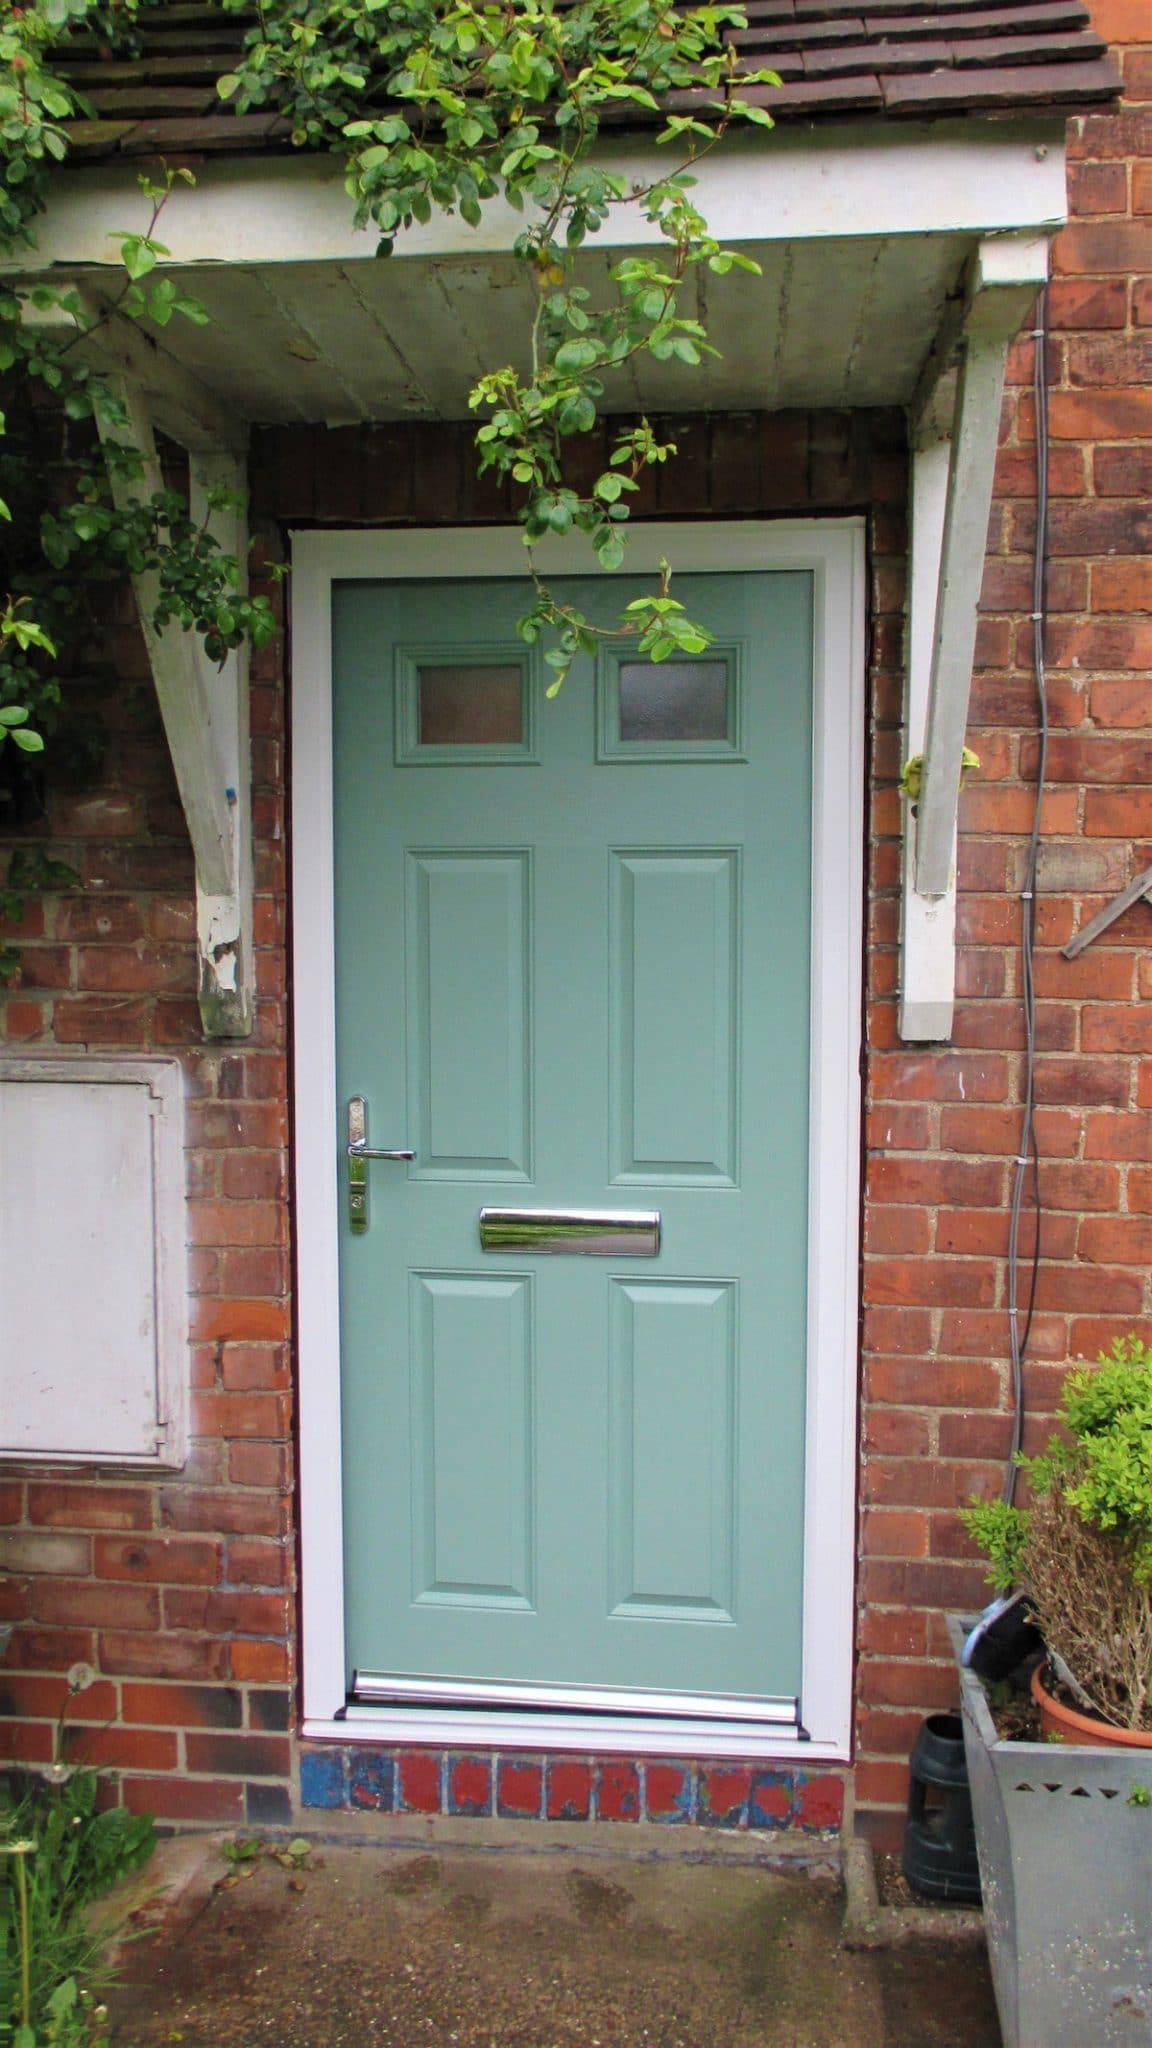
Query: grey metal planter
{"points": [[1066, 1871]]}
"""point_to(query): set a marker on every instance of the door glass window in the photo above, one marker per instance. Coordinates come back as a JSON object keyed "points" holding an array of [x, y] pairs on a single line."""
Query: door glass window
{"points": [[673, 700], [471, 704]]}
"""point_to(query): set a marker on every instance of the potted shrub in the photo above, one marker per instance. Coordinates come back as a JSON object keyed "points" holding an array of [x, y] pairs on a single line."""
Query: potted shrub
{"points": [[1064, 1823]]}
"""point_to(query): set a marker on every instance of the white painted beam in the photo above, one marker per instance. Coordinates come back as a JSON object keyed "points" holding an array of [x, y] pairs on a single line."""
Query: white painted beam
{"points": [[1006, 277], [955, 439], [206, 728], [911, 179], [180, 404], [224, 921], [927, 924]]}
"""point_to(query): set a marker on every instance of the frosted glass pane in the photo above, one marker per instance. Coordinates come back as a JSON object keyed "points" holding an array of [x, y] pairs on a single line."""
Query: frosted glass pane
{"points": [[674, 700], [471, 705]]}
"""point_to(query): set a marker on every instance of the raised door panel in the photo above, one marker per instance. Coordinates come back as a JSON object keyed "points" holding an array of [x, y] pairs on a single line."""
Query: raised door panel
{"points": [[472, 1440], [675, 1053], [673, 1449], [469, 1021]]}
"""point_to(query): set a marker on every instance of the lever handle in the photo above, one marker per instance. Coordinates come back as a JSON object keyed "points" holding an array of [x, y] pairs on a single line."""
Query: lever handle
{"points": [[359, 1152]]}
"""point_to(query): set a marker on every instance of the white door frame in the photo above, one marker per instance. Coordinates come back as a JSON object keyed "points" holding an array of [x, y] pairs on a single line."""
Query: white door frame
{"points": [[833, 551]]}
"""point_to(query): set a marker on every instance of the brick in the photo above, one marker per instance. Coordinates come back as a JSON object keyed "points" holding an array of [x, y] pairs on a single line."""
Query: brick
{"points": [[133, 1749], [771, 1799], [270, 1712], [617, 1791], [519, 1787], [1118, 701], [372, 1781], [183, 1706], [179, 1799], [153, 1655], [418, 1782], [255, 1563], [925, 1283], [34, 1550], [85, 1602], [1123, 586], [943, 1077], [1087, 302], [1097, 188], [1084, 1082], [247, 1756], [1115, 1027], [1116, 1240], [322, 1782], [221, 1512], [173, 1561], [1122, 21], [568, 1789], [268, 1805], [469, 1784], [820, 1803], [260, 1662], [725, 1790], [34, 1697], [239, 1415], [1108, 1135], [223, 1612], [934, 1181], [1100, 415], [57, 1506], [48, 1649], [241, 1321]]}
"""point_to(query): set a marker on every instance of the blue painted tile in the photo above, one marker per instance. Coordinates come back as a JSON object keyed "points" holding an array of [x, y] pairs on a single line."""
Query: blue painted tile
{"points": [[322, 1778], [372, 1780], [771, 1801]]}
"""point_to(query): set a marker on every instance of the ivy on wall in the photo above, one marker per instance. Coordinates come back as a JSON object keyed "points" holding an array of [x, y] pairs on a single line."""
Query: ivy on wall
{"points": [[433, 105]]}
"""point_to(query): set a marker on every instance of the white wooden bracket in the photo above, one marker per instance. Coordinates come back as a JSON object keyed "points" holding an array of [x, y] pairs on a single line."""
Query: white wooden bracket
{"points": [[204, 707], [955, 424]]}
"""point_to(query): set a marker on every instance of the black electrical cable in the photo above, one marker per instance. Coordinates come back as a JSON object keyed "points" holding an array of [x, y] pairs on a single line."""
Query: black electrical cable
{"points": [[1028, 1156]]}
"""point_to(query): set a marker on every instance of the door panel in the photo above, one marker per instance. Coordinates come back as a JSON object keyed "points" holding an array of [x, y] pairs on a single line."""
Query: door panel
{"points": [[470, 1088], [572, 972], [472, 1411], [673, 1051]]}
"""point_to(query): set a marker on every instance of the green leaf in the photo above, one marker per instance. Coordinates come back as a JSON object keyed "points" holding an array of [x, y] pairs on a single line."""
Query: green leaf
{"points": [[228, 85], [29, 742], [13, 714]]}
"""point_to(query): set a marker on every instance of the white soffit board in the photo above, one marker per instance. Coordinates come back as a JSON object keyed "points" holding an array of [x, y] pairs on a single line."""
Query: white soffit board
{"points": [[93, 1286], [862, 179]]}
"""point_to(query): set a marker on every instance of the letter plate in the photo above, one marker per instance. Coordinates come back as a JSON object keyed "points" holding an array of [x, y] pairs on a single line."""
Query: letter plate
{"points": [[572, 1233]]}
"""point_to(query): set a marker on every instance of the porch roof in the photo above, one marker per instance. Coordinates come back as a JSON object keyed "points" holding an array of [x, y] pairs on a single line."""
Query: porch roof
{"points": [[886, 58]]}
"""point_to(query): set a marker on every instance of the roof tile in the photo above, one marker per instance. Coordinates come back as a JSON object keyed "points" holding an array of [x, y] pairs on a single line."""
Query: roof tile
{"points": [[888, 57]]}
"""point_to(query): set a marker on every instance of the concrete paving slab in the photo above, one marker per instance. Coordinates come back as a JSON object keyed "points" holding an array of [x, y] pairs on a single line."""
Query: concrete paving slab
{"points": [[402, 1947]]}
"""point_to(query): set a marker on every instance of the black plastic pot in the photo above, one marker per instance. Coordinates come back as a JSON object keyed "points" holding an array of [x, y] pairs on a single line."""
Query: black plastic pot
{"points": [[940, 1860]]}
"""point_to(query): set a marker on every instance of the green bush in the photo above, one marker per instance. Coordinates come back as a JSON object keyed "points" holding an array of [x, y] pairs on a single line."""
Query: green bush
{"points": [[1083, 1550], [57, 1854]]}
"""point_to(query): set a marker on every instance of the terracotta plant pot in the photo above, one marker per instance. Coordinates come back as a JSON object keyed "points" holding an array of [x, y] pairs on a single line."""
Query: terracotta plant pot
{"points": [[1064, 1722]]}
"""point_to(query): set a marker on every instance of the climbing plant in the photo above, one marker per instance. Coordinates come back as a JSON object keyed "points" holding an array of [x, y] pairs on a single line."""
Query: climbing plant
{"points": [[432, 105]]}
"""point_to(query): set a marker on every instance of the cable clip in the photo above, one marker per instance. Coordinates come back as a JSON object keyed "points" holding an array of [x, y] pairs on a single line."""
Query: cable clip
{"points": [[1013, 1312], [1037, 617], [1026, 895], [1022, 1159]]}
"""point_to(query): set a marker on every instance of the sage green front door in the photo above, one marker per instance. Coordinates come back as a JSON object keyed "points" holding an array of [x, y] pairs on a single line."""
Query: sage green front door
{"points": [[572, 975]]}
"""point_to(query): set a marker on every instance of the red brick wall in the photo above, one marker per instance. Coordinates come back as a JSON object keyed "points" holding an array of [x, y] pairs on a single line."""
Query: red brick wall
{"points": [[943, 1125], [180, 1590]]}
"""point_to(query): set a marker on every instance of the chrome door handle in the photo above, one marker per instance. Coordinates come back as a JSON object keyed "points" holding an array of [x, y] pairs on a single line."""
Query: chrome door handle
{"points": [[359, 1152]]}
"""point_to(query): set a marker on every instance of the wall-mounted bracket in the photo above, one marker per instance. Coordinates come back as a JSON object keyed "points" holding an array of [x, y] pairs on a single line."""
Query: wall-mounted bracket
{"points": [[1140, 888], [204, 708], [955, 423]]}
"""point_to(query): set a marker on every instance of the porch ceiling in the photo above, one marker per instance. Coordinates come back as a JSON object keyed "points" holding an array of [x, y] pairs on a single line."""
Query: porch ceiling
{"points": [[833, 323]]}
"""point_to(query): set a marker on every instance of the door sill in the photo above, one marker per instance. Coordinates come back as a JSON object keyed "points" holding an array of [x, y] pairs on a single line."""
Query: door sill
{"points": [[374, 1689], [630, 1735]]}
